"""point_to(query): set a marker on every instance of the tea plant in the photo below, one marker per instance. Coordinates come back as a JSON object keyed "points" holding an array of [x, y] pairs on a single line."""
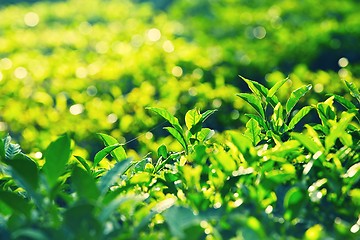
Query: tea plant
{"points": [[268, 181]]}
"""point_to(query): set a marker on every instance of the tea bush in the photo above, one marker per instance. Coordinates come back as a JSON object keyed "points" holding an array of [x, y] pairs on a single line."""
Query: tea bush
{"points": [[268, 159], [267, 182], [99, 65]]}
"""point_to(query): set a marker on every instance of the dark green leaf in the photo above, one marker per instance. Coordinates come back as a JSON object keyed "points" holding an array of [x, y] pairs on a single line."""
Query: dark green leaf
{"points": [[57, 155], [113, 174], [15, 202], [162, 151], [167, 116], [119, 153], [104, 152], [295, 97], [27, 171], [254, 101], [84, 184], [293, 202], [180, 218], [298, 116]]}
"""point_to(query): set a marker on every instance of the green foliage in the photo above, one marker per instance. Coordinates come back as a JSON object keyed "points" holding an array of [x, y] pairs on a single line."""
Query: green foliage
{"points": [[252, 184], [288, 168]]}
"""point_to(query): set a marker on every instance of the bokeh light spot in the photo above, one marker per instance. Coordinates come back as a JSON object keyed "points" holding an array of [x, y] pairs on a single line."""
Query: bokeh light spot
{"points": [[168, 46], [91, 91], [20, 72], [149, 135], [318, 87], [112, 118], [177, 71], [81, 72], [343, 62], [5, 63], [154, 34], [259, 32], [76, 109], [31, 19], [38, 155]]}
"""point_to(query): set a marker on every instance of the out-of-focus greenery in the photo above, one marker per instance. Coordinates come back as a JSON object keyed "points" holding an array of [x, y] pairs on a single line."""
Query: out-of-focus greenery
{"points": [[71, 66]]}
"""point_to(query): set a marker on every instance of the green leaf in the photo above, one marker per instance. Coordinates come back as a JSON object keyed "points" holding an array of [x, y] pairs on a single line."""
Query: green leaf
{"points": [[118, 153], [162, 151], [104, 152], [193, 121], [207, 114], [295, 97], [254, 101], [259, 120], [307, 142], [343, 101], [325, 112], [298, 116], [167, 116], [15, 202], [253, 131], [179, 218], [178, 137], [205, 134], [27, 171], [257, 88], [57, 155], [242, 143], [338, 130], [8, 149], [293, 202], [276, 87], [192, 117], [112, 206], [278, 116], [84, 184], [113, 174], [353, 90], [84, 163]]}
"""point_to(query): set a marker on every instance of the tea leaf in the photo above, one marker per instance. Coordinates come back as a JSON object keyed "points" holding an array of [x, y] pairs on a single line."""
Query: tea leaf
{"points": [[295, 97], [298, 116], [113, 174], [167, 116], [353, 90], [337, 130], [104, 152], [192, 117], [276, 87], [57, 155], [254, 101], [258, 89], [85, 184], [178, 137], [253, 131], [118, 153]]}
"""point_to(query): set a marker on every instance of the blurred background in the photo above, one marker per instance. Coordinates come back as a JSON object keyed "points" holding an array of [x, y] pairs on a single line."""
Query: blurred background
{"points": [[88, 66]]}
